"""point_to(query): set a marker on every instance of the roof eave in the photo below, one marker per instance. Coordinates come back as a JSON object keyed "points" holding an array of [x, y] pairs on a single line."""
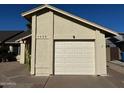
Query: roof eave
{"points": [[23, 38], [33, 10], [30, 12], [11, 42]]}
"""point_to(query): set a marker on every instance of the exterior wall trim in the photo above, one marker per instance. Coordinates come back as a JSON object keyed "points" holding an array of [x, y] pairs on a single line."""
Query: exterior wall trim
{"points": [[100, 50], [33, 48], [22, 53]]}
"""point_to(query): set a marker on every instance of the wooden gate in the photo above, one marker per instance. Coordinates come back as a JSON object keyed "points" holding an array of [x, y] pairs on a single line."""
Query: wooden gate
{"points": [[114, 53]]}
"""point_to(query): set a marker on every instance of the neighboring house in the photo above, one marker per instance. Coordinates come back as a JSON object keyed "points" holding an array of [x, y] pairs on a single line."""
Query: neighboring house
{"points": [[115, 46], [25, 47], [64, 44], [21, 35], [9, 48], [120, 43]]}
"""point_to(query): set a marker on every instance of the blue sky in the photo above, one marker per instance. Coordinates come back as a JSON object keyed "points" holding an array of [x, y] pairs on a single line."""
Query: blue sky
{"points": [[110, 16]]}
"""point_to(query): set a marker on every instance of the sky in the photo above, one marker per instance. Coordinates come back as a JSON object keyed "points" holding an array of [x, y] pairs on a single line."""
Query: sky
{"points": [[110, 16]]}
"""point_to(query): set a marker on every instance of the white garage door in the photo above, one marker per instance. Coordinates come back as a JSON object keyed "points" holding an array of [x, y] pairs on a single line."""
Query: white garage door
{"points": [[74, 58]]}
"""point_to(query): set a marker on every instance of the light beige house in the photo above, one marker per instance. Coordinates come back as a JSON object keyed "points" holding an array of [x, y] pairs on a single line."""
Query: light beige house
{"points": [[64, 44]]}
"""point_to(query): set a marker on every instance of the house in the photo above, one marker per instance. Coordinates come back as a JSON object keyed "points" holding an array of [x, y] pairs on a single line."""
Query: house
{"points": [[115, 46], [64, 44], [9, 48]]}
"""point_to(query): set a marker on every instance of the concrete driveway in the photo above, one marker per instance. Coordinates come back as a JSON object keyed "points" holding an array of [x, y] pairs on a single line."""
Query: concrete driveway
{"points": [[78, 82], [13, 74], [114, 80]]}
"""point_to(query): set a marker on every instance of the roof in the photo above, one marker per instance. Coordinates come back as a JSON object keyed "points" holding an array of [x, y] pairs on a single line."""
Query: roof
{"points": [[29, 13], [121, 33], [116, 39], [21, 35], [110, 43], [12, 36], [5, 35], [122, 38]]}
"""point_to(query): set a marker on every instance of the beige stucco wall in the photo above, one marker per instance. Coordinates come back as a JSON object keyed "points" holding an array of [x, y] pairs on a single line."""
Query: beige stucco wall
{"points": [[48, 27], [44, 44], [33, 44], [66, 29], [100, 47], [22, 52]]}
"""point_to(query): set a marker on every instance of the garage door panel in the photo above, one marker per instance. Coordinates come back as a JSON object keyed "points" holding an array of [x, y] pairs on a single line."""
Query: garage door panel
{"points": [[74, 58]]}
